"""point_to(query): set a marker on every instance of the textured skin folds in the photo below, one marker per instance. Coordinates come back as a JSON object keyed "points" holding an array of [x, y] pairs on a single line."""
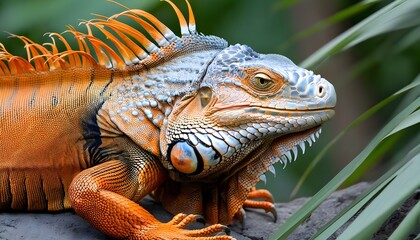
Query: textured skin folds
{"points": [[190, 120]]}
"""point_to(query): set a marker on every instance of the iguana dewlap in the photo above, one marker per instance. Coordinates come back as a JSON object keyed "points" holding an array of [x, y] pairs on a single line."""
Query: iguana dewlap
{"points": [[191, 120]]}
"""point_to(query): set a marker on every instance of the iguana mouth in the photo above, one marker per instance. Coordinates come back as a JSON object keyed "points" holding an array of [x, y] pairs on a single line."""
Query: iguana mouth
{"points": [[327, 113], [229, 115], [264, 109], [276, 111]]}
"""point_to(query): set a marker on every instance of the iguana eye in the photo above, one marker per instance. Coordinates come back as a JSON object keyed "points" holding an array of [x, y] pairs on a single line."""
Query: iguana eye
{"points": [[262, 81]]}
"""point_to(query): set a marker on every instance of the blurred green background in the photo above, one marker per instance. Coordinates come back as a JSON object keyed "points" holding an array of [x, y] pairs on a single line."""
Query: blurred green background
{"points": [[362, 76]]}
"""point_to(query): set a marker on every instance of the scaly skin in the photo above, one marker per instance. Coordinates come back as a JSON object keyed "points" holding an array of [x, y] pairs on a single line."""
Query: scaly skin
{"points": [[190, 120]]}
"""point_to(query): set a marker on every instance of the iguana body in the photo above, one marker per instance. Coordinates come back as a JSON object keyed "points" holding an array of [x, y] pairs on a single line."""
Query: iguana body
{"points": [[189, 119]]}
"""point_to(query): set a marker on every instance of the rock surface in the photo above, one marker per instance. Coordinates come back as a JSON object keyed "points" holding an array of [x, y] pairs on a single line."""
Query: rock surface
{"points": [[259, 225]]}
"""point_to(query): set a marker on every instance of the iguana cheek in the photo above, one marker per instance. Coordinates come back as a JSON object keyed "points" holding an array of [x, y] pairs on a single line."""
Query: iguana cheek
{"points": [[183, 158]]}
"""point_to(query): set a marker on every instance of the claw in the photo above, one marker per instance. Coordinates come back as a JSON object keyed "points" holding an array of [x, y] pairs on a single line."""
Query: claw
{"points": [[226, 230], [274, 212], [200, 219]]}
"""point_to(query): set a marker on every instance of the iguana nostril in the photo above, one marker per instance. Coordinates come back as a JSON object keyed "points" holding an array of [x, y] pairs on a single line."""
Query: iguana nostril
{"points": [[321, 91]]}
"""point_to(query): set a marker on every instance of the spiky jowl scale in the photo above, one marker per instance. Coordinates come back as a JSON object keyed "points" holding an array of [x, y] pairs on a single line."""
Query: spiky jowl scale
{"points": [[189, 119]]}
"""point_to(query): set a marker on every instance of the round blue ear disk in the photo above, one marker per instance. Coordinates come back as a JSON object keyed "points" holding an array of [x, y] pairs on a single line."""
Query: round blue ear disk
{"points": [[184, 158]]}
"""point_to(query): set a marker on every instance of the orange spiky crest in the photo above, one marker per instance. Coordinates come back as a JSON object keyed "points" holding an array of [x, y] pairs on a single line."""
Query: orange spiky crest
{"points": [[131, 50]]}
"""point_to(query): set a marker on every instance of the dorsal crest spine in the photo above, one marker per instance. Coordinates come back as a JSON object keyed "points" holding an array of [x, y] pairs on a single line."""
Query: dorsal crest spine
{"points": [[126, 48]]}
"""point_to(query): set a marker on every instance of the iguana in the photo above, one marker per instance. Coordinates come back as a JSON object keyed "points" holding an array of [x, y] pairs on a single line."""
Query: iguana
{"points": [[188, 119]]}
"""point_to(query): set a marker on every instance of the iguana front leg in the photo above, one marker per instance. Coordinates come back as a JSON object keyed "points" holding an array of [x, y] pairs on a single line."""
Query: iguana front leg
{"points": [[102, 194]]}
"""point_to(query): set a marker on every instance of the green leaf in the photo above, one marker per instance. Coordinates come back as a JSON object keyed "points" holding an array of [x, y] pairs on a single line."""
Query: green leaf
{"points": [[397, 15], [338, 221], [372, 217], [371, 192], [349, 212], [413, 119], [327, 230], [410, 39], [408, 225]]}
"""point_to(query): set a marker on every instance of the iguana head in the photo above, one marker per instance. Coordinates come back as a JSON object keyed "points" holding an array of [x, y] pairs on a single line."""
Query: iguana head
{"points": [[248, 112], [247, 104]]}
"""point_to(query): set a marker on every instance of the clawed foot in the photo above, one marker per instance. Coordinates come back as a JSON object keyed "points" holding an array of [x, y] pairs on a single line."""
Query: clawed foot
{"points": [[267, 204], [174, 229]]}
